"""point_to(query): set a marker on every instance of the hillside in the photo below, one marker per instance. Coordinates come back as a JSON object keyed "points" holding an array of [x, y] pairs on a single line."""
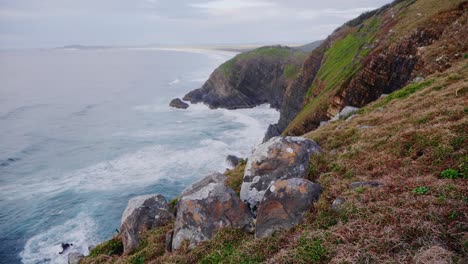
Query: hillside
{"points": [[391, 179], [250, 79], [376, 53]]}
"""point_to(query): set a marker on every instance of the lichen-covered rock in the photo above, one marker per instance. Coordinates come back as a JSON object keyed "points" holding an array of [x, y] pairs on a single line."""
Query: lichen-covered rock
{"points": [[371, 184], [285, 204], [279, 158], [207, 206], [143, 212]]}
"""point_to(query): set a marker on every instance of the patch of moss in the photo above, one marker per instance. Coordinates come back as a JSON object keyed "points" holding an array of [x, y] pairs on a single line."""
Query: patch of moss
{"points": [[111, 247], [291, 71], [236, 176]]}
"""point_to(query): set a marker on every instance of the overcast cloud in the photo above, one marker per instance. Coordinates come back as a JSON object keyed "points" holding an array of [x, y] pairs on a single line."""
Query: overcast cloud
{"points": [[50, 23]]}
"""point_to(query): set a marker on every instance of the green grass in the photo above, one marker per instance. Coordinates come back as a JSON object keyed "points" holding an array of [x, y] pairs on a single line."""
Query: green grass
{"points": [[111, 247], [450, 174], [291, 71], [309, 250], [273, 52], [421, 190]]}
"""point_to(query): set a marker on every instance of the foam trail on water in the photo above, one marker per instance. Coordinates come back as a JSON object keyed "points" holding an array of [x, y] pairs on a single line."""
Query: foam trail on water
{"points": [[45, 247]]}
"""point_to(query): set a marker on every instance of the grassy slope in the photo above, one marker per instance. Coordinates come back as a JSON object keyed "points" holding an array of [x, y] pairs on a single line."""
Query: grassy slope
{"points": [[417, 133], [273, 52], [345, 56]]}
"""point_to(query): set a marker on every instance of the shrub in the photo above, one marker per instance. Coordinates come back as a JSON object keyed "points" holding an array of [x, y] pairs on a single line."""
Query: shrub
{"points": [[450, 174], [111, 247], [421, 190]]}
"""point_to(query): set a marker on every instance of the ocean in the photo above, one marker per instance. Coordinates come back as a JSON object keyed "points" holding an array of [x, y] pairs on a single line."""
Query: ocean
{"points": [[83, 131]]}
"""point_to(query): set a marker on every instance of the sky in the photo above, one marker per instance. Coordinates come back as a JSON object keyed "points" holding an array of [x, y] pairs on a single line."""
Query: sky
{"points": [[54, 23]]}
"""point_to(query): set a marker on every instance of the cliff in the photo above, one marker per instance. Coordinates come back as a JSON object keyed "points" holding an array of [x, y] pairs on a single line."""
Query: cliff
{"points": [[250, 79], [377, 53]]}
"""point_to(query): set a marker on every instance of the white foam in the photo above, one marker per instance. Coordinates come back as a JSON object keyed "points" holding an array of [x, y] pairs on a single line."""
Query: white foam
{"points": [[174, 82], [45, 247]]}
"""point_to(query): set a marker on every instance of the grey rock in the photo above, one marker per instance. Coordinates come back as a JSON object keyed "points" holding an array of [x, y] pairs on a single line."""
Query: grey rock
{"points": [[323, 123], [177, 103], [346, 112], [143, 212], [372, 184], [279, 158], [207, 206], [168, 240], [233, 161], [418, 79], [75, 258], [285, 205], [383, 96], [338, 203], [364, 127]]}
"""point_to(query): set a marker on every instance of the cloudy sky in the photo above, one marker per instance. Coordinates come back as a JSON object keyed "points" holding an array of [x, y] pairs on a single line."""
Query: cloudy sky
{"points": [[50, 23]]}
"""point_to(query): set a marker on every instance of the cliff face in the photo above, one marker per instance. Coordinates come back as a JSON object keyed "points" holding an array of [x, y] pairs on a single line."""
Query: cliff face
{"points": [[375, 54], [250, 79]]}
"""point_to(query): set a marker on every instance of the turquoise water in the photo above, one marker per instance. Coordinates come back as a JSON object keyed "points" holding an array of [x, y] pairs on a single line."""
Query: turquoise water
{"points": [[82, 131]]}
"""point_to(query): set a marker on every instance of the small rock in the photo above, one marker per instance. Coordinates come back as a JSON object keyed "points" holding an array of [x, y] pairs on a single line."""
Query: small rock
{"points": [[372, 184], [364, 127], [279, 158], [383, 96], [285, 204], [207, 206], [323, 123], [168, 240], [345, 113], [338, 203], [143, 212], [418, 79], [177, 103], [233, 161], [74, 258], [91, 247]]}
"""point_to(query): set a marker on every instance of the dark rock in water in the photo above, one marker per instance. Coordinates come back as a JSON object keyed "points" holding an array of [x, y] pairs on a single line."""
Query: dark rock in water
{"points": [[177, 103], [250, 79], [285, 204], [278, 159], [65, 247], [8, 161], [372, 184], [75, 258], [233, 160], [143, 212], [206, 206]]}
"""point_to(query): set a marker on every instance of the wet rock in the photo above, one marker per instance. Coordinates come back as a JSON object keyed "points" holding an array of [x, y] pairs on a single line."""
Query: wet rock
{"points": [[337, 204], [285, 204], [372, 184], [346, 112], [279, 158], [207, 206], [143, 212], [177, 103], [75, 258], [233, 161]]}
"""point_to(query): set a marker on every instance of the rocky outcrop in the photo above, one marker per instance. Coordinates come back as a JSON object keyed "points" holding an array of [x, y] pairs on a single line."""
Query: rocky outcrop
{"points": [[389, 54], [278, 159], [143, 212], [233, 161], [345, 113], [285, 204], [250, 79], [177, 103], [74, 258], [205, 207]]}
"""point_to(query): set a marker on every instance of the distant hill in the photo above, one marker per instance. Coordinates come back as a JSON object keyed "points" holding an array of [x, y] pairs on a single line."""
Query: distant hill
{"points": [[309, 47]]}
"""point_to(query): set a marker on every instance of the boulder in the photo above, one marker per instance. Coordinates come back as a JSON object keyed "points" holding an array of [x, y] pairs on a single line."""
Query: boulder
{"points": [[207, 206], [279, 158], [177, 103], [143, 212], [346, 112], [337, 204], [75, 258], [233, 161], [285, 204]]}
